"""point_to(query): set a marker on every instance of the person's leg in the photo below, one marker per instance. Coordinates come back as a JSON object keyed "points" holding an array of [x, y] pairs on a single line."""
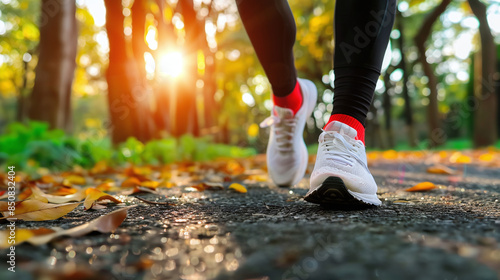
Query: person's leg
{"points": [[362, 30], [272, 31], [341, 175], [271, 28]]}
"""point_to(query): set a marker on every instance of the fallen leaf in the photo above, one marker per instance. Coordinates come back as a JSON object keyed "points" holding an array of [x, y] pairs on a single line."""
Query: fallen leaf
{"points": [[441, 169], [458, 157], [150, 184], [47, 179], [199, 187], [25, 193], [64, 190], [94, 195], [36, 210], [106, 223], [487, 157], [105, 186], [143, 190], [38, 194], [100, 167], [166, 184], [21, 236], [238, 187], [74, 180], [131, 182], [422, 187]]}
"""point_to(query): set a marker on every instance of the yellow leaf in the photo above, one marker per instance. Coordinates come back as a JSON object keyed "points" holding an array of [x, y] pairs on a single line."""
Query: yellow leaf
{"points": [[150, 184], [105, 186], [47, 179], [238, 187], [422, 187], [21, 236], [258, 178], [458, 157], [486, 157], [100, 167], [441, 169], [94, 195], [35, 210], [166, 184], [390, 154], [74, 180], [253, 130]]}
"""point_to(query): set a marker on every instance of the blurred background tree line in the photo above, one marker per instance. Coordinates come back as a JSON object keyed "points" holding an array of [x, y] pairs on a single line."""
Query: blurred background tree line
{"points": [[152, 69]]}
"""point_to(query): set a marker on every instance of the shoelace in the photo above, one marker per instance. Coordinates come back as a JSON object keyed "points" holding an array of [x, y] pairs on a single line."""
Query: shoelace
{"points": [[342, 156], [283, 131]]}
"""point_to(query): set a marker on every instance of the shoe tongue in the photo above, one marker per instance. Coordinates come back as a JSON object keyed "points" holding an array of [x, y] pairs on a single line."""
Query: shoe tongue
{"points": [[283, 113], [341, 128]]}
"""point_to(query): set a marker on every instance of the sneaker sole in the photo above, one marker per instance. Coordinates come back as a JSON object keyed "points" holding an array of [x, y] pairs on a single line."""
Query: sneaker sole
{"points": [[334, 194]]}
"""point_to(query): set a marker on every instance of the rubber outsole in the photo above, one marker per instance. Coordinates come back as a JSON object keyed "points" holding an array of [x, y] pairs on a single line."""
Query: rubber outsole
{"points": [[333, 194]]}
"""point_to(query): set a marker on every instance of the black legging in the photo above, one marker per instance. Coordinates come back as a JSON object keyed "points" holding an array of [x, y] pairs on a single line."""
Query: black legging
{"points": [[362, 29]]}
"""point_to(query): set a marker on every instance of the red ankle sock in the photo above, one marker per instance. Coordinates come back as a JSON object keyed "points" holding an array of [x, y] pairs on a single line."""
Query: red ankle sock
{"points": [[352, 122], [293, 101]]}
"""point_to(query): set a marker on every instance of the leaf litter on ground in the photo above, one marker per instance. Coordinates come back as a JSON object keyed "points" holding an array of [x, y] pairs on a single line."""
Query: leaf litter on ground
{"points": [[104, 224]]}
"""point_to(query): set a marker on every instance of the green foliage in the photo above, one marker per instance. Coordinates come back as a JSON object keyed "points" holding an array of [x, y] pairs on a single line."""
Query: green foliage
{"points": [[34, 145]]}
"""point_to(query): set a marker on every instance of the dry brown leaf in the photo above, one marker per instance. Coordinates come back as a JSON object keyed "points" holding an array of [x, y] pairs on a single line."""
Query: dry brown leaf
{"points": [[131, 182], [101, 167], [441, 169], [40, 195], [199, 187], [94, 195], [64, 190], [143, 190], [47, 179], [25, 193], [422, 187], [106, 223], [36, 210]]}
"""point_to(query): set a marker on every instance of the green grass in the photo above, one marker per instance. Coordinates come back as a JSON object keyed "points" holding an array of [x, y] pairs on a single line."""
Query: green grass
{"points": [[31, 146]]}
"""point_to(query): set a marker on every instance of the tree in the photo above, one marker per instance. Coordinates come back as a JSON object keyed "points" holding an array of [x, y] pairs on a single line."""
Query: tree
{"points": [[486, 107], [128, 100], [408, 110], [50, 100], [420, 40]]}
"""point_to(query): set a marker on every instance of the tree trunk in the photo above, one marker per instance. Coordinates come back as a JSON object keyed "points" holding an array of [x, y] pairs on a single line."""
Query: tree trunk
{"points": [[186, 115], [139, 48], [50, 100], [435, 131], [408, 111], [387, 103], [124, 88], [21, 106], [485, 125]]}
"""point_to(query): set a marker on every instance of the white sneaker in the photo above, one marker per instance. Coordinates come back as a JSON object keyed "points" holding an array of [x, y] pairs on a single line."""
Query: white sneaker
{"points": [[286, 151], [341, 176]]}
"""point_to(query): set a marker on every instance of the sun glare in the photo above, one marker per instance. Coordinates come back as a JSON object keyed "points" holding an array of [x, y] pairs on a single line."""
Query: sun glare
{"points": [[171, 64]]}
